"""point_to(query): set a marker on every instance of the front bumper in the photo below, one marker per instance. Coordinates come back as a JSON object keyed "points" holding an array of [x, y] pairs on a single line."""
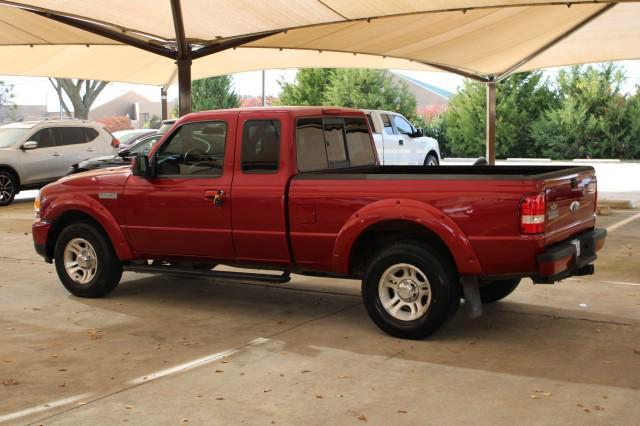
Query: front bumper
{"points": [[40, 230], [570, 257]]}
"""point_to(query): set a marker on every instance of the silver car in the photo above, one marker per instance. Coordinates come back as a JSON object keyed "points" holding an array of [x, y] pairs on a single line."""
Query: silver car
{"points": [[35, 153]]}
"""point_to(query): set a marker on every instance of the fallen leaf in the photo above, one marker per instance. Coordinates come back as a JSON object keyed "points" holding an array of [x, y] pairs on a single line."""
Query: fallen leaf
{"points": [[184, 421], [62, 385], [9, 382], [402, 411], [219, 398], [305, 371], [219, 371], [345, 377], [535, 397], [361, 417], [267, 390], [579, 405], [129, 407], [636, 351], [6, 360], [598, 408], [586, 410], [319, 396], [63, 370], [224, 361]]}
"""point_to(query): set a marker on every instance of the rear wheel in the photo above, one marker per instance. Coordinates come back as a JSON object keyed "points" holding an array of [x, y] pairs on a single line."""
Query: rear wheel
{"points": [[431, 160], [8, 188], [409, 291], [86, 262], [492, 291]]}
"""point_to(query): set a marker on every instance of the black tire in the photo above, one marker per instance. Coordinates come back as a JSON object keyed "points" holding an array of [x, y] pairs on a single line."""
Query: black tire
{"points": [[8, 187], [108, 268], [493, 291], [442, 278], [431, 160]]}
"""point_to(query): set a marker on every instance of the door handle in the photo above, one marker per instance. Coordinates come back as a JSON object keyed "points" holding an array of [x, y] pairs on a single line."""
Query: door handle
{"points": [[216, 196], [90, 149], [400, 142], [55, 154]]}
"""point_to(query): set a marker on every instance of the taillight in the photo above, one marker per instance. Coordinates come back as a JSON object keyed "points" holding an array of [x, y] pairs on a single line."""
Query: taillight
{"points": [[532, 214], [115, 143]]}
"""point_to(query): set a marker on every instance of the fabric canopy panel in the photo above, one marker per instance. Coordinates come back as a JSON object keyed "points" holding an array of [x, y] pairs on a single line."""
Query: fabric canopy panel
{"points": [[481, 38]]}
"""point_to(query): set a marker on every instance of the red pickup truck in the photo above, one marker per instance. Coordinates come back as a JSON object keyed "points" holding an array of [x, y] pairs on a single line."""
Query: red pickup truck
{"points": [[301, 190]]}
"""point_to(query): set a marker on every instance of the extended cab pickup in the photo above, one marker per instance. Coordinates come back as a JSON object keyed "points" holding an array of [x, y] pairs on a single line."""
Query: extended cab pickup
{"points": [[300, 190]]}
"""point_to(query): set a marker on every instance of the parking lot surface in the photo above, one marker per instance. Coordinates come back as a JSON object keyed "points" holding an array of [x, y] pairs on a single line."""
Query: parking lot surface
{"points": [[173, 350]]}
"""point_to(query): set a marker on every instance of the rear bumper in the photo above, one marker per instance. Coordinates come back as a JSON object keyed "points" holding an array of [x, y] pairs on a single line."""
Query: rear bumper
{"points": [[570, 257], [40, 230]]}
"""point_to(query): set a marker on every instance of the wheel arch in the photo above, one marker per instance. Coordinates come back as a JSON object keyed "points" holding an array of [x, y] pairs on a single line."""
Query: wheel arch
{"points": [[63, 214], [13, 171], [393, 220]]}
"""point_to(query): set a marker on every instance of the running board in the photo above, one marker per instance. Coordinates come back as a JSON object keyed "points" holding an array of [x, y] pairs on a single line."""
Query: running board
{"points": [[237, 276]]}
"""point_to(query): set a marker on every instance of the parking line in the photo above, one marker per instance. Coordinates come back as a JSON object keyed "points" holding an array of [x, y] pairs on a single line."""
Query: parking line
{"points": [[43, 407], [605, 282], [623, 222], [195, 363], [622, 283]]}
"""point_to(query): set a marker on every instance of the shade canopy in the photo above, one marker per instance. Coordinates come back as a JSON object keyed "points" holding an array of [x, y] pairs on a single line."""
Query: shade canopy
{"points": [[139, 41]]}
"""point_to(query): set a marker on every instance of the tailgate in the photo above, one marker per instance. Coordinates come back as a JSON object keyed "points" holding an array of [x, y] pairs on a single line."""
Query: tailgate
{"points": [[571, 203]]}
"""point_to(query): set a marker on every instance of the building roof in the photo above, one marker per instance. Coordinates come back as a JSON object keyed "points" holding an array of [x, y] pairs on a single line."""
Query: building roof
{"points": [[429, 87]]}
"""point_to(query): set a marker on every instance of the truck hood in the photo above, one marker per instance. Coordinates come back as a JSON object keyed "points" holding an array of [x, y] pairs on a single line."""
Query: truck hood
{"points": [[96, 179]]}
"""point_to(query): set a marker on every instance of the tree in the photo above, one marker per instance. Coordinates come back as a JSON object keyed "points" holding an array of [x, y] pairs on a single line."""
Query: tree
{"points": [[520, 100], [309, 88], [81, 93], [7, 107], [213, 93], [370, 89], [594, 119]]}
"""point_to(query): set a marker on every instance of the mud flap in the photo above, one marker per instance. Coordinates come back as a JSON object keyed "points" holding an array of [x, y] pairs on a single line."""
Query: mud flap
{"points": [[472, 301]]}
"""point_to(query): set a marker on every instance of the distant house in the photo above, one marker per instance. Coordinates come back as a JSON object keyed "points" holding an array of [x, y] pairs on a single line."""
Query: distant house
{"points": [[431, 100], [131, 104], [25, 113]]}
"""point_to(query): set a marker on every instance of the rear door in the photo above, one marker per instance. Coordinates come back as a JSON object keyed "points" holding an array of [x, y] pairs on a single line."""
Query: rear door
{"points": [[259, 188], [176, 213], [391, 140], [73, 144], [570, 202]]}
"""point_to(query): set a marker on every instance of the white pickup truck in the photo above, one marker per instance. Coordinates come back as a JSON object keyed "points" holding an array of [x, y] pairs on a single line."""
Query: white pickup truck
{"points": [[399, 143]]}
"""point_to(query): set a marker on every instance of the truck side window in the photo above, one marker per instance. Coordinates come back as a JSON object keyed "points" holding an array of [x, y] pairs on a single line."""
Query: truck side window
{"points": [[334, 140], [194, 149], [402, 125], [311, 150], [261, 146], [359, 143], [386, 122]]}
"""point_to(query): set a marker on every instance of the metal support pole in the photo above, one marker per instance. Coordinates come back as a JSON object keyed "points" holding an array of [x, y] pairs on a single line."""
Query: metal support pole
{"points": [[264, 99], [163, 102], [491, 122], [184, 86]]}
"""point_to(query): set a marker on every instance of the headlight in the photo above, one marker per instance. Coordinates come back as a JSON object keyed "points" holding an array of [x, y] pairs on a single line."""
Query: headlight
{"points": [[36, 205]]}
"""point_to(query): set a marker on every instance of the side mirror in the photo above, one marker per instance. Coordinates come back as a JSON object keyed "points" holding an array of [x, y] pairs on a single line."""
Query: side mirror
{"points": [[29, 145], [124, 153], [140, 166], [418, 133]]}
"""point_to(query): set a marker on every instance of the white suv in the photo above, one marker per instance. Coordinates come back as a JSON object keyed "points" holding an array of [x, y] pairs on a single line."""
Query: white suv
{"points": [[35, 153]]}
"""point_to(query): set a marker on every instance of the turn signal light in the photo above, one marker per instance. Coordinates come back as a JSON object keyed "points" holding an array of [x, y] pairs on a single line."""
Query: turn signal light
{"points": [[532, 214]]}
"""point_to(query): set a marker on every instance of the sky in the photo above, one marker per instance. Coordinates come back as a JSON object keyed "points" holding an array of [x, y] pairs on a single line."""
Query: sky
{"points": [[38, 90]]}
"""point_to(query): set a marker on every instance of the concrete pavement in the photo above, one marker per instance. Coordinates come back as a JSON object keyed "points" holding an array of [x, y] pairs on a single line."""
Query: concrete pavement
{"points": [[167, 350]]}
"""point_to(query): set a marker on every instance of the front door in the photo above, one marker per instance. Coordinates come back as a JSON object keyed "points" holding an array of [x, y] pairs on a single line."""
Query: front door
{"points": [[185, 210], [44, 163]]}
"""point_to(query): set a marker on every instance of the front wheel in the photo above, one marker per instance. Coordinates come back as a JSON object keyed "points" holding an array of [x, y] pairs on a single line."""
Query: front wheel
{"points": [[86, 262], [409, 290], [431, 160], [8, 188], [492, 291]]}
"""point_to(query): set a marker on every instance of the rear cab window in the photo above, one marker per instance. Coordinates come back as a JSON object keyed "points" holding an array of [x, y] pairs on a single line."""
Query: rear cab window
{"points": [[333, 143], [386, 122], [260, 146]]}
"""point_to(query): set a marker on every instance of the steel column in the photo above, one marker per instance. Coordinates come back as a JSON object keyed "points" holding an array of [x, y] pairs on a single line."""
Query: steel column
{"points": [[184, 86], [491, 122], [163, 102]]}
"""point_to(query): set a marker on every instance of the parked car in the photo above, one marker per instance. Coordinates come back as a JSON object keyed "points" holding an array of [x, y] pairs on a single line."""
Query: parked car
{"points": [[300, 190], [34, 153], [165, 125], [129, 137], [122, 158], [399, 142]]}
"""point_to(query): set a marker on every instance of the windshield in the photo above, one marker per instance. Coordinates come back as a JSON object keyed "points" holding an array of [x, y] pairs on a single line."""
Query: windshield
{"points": [[9, 136], [124, 139]]}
